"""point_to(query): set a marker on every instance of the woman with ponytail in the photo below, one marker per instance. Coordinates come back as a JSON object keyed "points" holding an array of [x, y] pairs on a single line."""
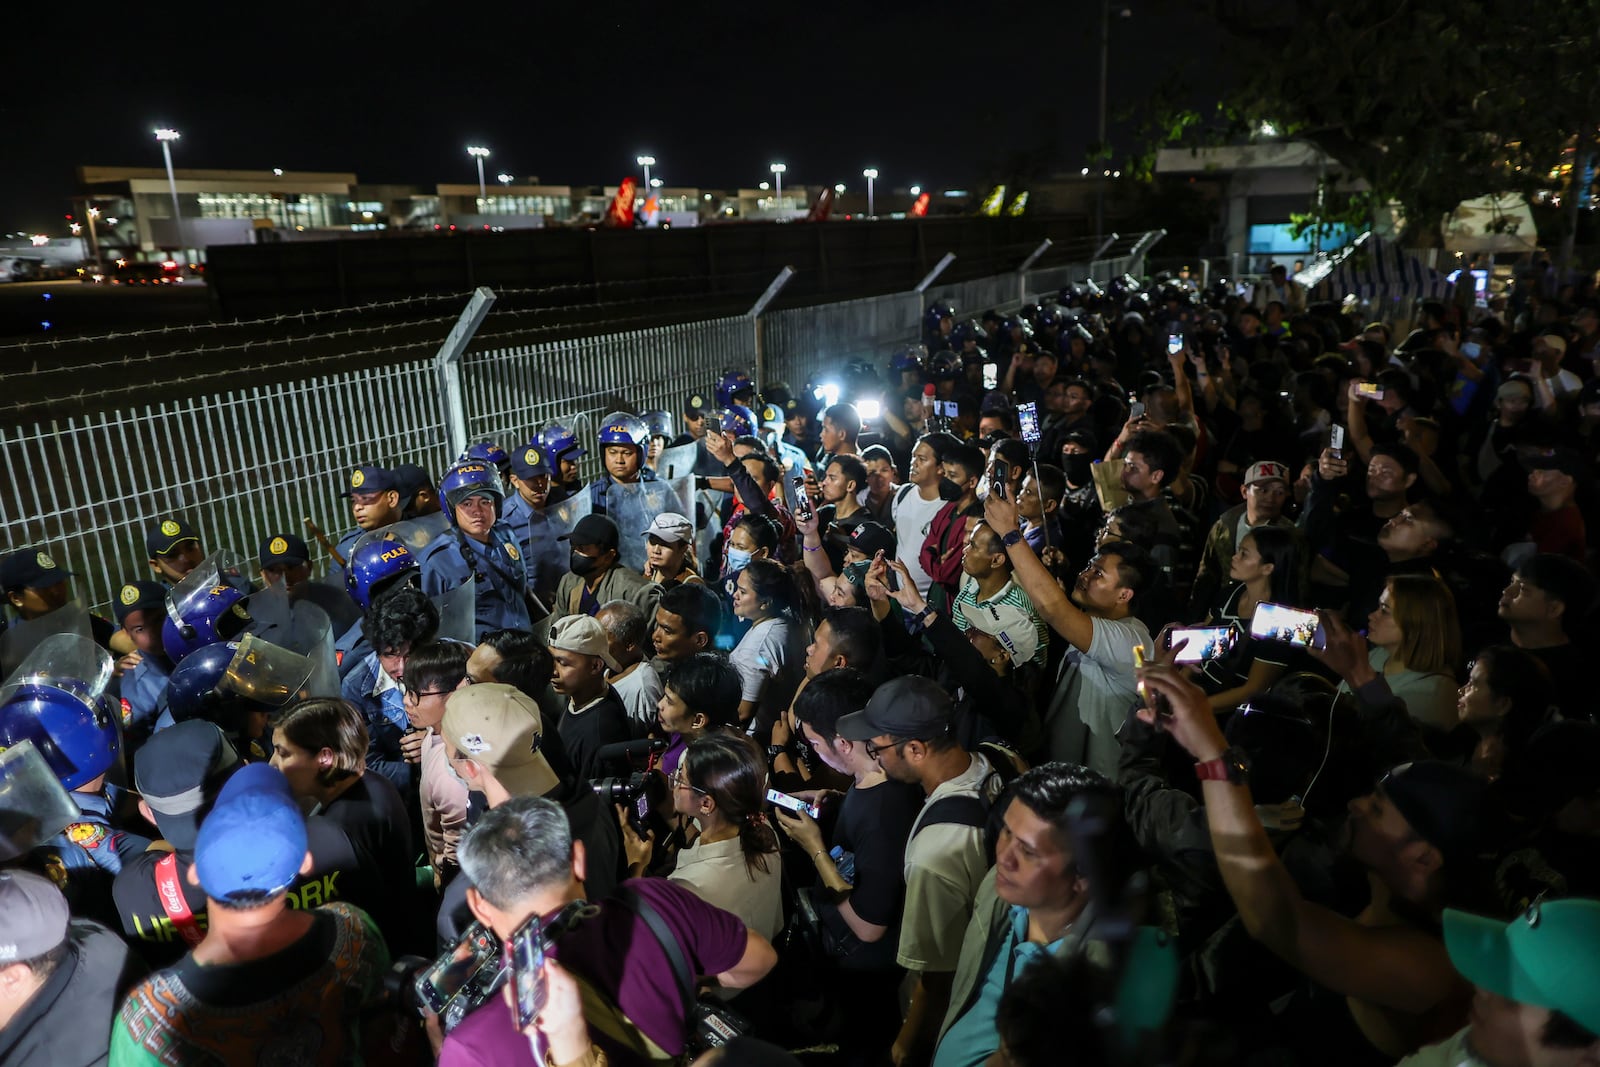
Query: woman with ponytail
{"points": [[770, 657]]}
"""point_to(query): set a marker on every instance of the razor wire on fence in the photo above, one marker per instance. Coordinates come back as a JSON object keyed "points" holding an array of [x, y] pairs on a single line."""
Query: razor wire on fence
{"points": [[256, 460]]}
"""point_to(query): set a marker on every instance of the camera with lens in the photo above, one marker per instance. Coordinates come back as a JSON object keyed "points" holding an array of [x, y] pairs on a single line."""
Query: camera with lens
{"points": [[454, 984], [637, 793]]}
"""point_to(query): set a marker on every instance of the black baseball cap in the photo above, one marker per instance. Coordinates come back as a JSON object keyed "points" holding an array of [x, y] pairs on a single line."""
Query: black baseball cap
{"points": [[908, 706], [178, 772], [1442, 802], [1561, 458], [696, 404], [594, 530], [140, 595], [281, 549], [409, 478], [164, 535], [869, 538], [30, 568]]}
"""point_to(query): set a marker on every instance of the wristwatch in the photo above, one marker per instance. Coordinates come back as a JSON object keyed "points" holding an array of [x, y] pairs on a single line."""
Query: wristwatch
{"points": [[1011, 538], [1232, 766], [774, 751]]}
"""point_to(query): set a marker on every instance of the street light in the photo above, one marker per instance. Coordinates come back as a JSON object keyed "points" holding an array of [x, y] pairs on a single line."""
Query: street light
{"points": [[166, 137], [916, 190], [871, 174], [480, 153], [94, 240], [655, 183], [777, 174], [504, 178], [839, 189], [646, 162]]}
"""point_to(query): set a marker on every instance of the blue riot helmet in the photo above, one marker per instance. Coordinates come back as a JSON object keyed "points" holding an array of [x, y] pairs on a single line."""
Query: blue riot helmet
{"points": [[659, 424], [224, 682], [1049, 317], [470, 479], [206, 607], [945, 366], [909, 358], [621, 428], [560, 442], [733, 385], [738, 420], [57, 699], [938, 313], [376, 566], [490, 453]]}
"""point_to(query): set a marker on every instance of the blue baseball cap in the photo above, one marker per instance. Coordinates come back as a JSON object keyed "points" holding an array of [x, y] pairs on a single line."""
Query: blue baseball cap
{"points": [[252, 844], [530, 461], [370, 480]]}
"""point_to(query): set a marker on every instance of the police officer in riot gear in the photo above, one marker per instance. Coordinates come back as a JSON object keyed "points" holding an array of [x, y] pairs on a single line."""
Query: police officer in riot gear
{"points": [[479, 547]]}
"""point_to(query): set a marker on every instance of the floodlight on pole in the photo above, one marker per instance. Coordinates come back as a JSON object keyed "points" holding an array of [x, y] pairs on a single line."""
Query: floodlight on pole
{"points": [[778, 170], [504, 178], [166, 137], [871, 174], [480, 153], [646, 162]]}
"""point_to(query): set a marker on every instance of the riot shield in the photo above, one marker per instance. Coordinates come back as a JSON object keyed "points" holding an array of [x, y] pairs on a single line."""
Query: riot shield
{"points": [[565, 515], [420, 532], [458, 612], [336, 602], [66, 661], [21, 638], [34, 806], [269, 675], [678, 462], [222, 567], [632, 507]]}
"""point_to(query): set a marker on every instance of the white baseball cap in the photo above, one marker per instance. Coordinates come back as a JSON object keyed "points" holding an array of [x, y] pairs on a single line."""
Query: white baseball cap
{"points": [[1008, 625], [670, 526]]}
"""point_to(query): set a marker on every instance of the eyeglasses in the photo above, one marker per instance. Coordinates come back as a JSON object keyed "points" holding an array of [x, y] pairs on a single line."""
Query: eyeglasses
{"points": [[896, 743], [677, 782], [418, 694]]}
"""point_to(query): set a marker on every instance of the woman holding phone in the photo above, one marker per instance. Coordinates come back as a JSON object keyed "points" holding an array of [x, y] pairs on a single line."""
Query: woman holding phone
{"points": [[1265, 569], [720, 785]]}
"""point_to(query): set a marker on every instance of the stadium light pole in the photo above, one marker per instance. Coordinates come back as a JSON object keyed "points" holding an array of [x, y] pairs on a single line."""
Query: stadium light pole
{"points": [[480, 153], [871, 174], [778, 170], [166, 137], [646, 162]]}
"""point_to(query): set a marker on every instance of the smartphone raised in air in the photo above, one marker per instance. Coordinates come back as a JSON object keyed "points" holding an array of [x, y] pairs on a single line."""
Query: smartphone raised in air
{"points": [[1174, 342], [1203, 642], [1136, 410], [999, 478], [451, 973], [802, 501], [1292, 626], [991, 376], [1336, 441], [1028, 421], [1370, 390]]}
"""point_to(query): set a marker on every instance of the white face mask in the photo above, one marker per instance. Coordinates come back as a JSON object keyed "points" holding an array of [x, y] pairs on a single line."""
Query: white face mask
{"points": [[739, 559]]}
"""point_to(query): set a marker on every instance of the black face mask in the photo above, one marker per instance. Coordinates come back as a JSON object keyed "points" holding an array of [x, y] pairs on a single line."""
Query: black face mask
{"points": [[1077, 467], [949, 490], [582, 565]]}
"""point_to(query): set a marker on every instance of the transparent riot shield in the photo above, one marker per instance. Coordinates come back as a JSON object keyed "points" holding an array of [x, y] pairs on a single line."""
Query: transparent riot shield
{"points": [[68, 661], [458, 612], [565, 515], [269, 675], [34, 806], [335, 601], [298, 625], [420, 532], [222, 567], [633, 507], [21, 638], [678, 462]]}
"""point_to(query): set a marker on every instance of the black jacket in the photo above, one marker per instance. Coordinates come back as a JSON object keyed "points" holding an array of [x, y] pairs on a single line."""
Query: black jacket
{"points": [[68, 1021]]}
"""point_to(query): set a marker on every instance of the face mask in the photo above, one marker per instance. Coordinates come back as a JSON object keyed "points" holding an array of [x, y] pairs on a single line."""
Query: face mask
{"points": [[856, 573], [739, 559], [1077, 467], [582, 565], [949, 490]]}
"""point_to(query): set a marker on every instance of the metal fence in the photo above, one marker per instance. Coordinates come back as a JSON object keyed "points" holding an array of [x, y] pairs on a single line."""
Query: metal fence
{"points": [[252, 462]]}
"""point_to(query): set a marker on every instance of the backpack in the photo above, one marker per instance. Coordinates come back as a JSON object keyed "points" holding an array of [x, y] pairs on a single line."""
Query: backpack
{"points": [[979, 811], [940, 557]]}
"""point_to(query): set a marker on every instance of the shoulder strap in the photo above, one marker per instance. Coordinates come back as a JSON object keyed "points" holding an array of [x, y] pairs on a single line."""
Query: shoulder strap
{"points": [[959, 810], [173, 901], [634, 902], [901, 495]]}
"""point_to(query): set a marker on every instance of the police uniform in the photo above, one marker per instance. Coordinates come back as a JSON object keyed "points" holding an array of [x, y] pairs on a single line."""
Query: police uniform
{"points": [[543, 555], [601, 485], [383, 708], [144, 697], [362, 480], [85, 856], [501, 576]]}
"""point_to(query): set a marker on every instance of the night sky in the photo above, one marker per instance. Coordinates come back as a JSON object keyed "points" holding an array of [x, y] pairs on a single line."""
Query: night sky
{"points": [[935, 93]]}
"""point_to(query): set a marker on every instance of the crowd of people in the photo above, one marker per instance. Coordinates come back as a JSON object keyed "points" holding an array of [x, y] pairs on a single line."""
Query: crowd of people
{"points": [[1148, 675]]}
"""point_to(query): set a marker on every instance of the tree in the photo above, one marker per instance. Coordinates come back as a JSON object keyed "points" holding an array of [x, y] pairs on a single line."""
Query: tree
{"points": [[1427, 103]]}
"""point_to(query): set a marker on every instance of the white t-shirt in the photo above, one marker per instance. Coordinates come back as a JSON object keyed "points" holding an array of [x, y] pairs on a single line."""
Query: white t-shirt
{"points": [[1093, 694], [1453, 1051], [771, 660], [912, 517], [640, 690], [943, 866]]}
